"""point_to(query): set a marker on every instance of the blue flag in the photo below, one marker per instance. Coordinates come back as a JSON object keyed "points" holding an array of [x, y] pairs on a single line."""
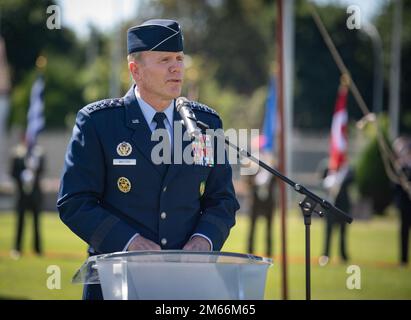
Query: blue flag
{"points": [[35, 116], [270, 118]]}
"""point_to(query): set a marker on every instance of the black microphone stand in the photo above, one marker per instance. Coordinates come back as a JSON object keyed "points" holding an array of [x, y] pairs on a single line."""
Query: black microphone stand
{"points": [[311, 203]]}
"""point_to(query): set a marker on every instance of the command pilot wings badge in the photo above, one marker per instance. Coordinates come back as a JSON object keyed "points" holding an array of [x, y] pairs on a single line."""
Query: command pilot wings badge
{"points": [[124, 149]]}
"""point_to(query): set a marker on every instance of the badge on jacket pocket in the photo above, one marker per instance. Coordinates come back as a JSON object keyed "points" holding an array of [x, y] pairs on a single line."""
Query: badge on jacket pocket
{"points": [[123, 184], [202, 188]]}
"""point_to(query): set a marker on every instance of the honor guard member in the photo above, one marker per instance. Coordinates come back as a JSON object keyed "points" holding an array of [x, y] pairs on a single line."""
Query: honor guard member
{"points": [[27, 168], [113, 194]]}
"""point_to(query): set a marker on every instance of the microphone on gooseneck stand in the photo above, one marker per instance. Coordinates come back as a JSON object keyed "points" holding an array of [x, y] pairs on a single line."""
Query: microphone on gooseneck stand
{"points": [[188, 117]]}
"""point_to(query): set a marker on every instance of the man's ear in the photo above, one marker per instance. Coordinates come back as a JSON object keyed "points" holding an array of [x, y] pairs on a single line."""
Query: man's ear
{"points": [[134, 69]]}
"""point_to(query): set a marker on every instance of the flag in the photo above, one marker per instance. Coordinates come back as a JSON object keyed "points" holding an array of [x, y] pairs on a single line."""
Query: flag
{"points": [[35, 116], [270, 118], [339, 138]]}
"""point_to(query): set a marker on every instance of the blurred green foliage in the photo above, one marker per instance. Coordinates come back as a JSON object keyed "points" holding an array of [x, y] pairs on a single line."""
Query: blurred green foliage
{"points": [[63, 92], [23, 26], [384, 23], [233, 45], [316, 74], [237, 40], [76, 71], [370, 176]]}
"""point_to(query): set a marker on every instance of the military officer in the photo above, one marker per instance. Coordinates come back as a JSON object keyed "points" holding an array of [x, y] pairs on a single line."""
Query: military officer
{"points": [[26, 169], [113, 194]]}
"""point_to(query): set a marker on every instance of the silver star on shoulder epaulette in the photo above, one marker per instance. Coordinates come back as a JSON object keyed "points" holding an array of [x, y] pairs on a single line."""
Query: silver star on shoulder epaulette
{"points": [[202, 107]]}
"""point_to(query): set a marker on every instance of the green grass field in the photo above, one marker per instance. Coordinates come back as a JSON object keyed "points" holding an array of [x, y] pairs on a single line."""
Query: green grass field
{"points": [[372, 246]]}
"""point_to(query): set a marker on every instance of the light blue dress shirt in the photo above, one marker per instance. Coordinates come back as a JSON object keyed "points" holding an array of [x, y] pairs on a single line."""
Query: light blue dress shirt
{"points": [[149, 113]]}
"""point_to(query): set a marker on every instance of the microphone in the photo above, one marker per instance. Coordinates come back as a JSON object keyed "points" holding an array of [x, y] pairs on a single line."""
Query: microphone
{"points": [[187, 115]]}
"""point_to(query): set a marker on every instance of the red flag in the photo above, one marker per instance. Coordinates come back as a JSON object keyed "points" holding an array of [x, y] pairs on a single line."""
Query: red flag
{"points": [[339, 137]]}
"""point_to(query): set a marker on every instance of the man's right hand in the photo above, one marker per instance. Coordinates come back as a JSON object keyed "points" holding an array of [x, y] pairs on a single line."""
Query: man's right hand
{"points": [[141, 243]]}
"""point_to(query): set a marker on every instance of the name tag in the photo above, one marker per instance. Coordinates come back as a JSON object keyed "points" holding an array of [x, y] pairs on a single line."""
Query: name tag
{"points": [[124, 162]]}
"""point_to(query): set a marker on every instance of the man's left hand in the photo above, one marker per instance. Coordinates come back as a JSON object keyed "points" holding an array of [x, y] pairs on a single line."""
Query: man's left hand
{"points": [[197, 243]]}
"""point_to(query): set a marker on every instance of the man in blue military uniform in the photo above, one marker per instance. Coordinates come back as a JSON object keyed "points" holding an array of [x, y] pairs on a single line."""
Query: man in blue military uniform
{"points": [[113, 193]]}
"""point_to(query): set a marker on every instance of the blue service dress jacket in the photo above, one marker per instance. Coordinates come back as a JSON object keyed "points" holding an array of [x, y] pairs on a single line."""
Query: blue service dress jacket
{"points": [[106, 203]]}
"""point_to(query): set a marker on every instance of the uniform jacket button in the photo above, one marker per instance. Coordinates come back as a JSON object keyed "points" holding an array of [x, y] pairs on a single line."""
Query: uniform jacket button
{"points": [[163, 215], [164, 241]]}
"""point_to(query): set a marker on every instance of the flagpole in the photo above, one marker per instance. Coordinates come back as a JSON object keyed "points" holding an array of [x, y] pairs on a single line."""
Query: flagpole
{"points": [[395, 70], [282, 136], [5, 87]]}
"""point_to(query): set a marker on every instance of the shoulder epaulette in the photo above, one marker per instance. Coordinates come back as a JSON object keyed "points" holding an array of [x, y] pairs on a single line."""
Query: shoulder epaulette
{"points": [[103, 104], [202, 107]]}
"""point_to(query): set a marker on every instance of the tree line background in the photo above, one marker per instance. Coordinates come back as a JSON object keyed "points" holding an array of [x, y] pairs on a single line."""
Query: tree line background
{"points": [[231, 44]]}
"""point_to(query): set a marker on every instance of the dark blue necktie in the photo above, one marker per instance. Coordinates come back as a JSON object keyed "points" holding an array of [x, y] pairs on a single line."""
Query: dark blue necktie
{"points": [[159, 118]]}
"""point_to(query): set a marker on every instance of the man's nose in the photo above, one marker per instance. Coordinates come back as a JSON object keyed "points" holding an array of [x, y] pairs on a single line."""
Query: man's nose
{"points": [[177, 66]]}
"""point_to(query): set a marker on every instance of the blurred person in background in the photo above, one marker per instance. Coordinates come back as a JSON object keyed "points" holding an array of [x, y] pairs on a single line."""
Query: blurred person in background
{"points": [[338, 174], [337, 184], [402, 149], [262, 190], [27, 166]]}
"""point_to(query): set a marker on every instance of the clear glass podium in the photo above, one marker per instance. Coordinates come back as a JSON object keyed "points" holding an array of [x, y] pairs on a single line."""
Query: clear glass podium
{"points": [[176, 275]]}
